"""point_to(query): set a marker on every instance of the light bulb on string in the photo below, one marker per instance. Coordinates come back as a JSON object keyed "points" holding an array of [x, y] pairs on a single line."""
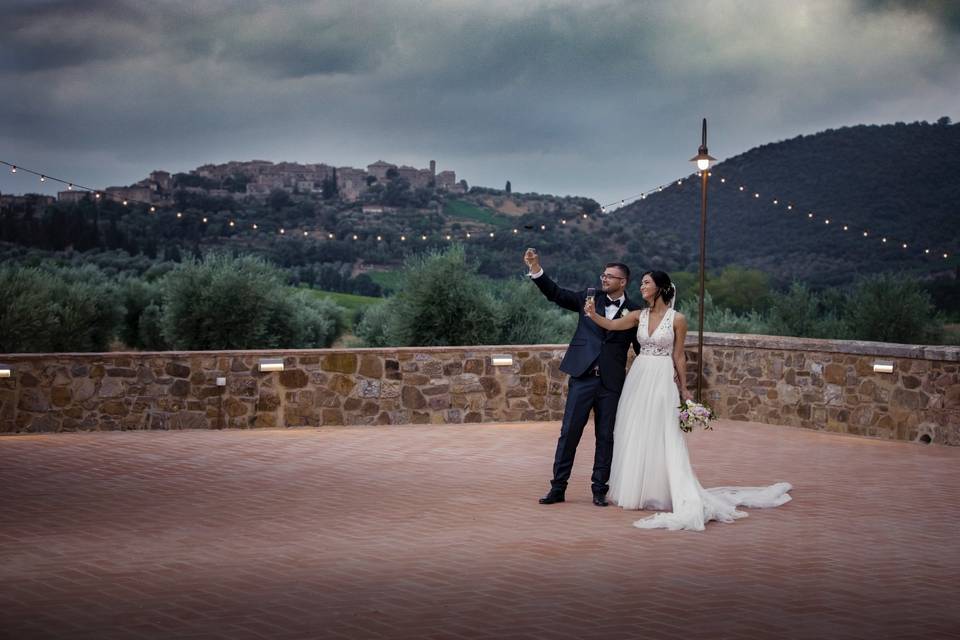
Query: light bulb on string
{"points": [[379, 238], [491, 234], [354, 236], [810, 215], [927, 251], [124, 203], [904, 245], [423, 237], [846, 228], [282, 231], [204, 220], [563, 222], [584, 216], [827, 221], [70, 187], [741, 188], [884, 239], [233, 224], [306, 233], [723, 180], [13, 169], [756, 195], [515, 231], [43, 178], [448, 237], [254, 224], [865, 234], [154, 210], [468, 234], [776, 202], [330, 236], [96, 195], [543, 227], [944, 255], [403, 238]]}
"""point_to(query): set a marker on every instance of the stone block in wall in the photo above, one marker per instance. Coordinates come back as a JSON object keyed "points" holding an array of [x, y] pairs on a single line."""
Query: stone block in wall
{"points": [[412, 398], [340, 362], [371, 366], [294, 378]]}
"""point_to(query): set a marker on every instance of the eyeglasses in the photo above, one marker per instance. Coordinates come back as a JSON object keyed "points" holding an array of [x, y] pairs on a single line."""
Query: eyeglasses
{"points": [[610, 276]]}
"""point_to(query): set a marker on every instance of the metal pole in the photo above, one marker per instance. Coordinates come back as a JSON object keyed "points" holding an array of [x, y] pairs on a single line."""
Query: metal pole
{"points": [[703, 256]]}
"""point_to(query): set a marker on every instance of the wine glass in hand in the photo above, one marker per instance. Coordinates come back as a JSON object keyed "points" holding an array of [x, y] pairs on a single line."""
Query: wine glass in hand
{"points": [[591, 294]]}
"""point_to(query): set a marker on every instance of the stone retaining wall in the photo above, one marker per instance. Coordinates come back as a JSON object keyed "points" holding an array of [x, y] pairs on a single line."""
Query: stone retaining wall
{"points": [[817, 384]]}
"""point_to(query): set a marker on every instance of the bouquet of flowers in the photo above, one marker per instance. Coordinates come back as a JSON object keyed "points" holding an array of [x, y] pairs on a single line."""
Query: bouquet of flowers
{"points": [[693, 414]]}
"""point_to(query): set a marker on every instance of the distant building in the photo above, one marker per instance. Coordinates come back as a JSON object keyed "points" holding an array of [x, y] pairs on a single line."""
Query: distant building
{"points": [[446, 180], [379, 169], [140, 194], [71, 196]]}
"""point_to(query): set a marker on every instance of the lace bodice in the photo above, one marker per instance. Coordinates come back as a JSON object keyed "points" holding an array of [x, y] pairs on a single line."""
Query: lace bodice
{"points": [[661, 342]]}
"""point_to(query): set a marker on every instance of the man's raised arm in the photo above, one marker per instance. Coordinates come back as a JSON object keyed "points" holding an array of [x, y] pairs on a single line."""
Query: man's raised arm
{"points": [[550, 289]]}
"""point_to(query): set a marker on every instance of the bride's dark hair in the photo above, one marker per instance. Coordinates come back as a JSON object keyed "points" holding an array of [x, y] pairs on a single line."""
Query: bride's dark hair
{"points": [[665, 288]]}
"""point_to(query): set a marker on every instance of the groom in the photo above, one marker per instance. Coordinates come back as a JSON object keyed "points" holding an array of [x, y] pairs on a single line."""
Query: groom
{"points": [[596, 361]]}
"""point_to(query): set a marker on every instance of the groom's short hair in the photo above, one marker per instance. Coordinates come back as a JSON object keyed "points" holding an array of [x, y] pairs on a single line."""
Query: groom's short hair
{"points": [[619, 265]]}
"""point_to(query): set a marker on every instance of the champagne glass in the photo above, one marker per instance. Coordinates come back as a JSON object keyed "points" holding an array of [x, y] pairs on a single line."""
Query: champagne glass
{"points": [[591, 294]]}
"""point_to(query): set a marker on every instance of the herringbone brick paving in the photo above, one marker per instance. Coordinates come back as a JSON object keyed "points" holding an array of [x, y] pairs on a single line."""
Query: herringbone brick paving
{"points": [[435, 532]]}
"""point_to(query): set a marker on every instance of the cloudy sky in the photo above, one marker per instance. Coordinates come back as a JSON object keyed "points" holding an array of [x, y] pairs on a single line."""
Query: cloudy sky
{"points": [[601, 98]]}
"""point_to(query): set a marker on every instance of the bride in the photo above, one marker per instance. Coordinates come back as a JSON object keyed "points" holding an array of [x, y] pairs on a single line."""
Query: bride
{"points": [[651, 467]]}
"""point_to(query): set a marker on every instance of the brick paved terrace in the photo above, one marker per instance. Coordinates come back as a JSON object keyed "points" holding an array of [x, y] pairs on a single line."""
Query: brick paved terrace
{"points": [[433, 531]]}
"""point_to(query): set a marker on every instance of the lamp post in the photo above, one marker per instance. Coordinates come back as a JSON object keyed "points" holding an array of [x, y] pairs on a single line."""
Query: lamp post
{"points": [[703, 161]]}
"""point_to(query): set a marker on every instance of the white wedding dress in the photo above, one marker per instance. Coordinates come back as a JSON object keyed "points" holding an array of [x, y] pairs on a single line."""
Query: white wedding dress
{"points": [[651, 467]]}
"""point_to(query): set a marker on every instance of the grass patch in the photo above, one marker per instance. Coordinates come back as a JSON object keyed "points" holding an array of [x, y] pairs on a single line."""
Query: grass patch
{"points": [[349, 301], [469, 211], [388, 280]]}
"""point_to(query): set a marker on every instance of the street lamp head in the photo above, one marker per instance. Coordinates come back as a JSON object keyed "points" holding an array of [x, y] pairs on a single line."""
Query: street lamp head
{"points": [[703, 159]]}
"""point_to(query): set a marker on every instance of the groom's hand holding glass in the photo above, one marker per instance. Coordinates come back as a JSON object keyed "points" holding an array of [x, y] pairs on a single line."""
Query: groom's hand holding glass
{"points": [[627, 321]]}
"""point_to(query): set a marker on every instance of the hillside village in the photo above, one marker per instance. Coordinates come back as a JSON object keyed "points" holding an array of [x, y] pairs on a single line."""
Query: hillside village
{"points": [[260, 178]]}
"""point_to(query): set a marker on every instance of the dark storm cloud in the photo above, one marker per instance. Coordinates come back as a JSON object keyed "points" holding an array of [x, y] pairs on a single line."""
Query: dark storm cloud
{"points": [[565, 96], [945, 12]]}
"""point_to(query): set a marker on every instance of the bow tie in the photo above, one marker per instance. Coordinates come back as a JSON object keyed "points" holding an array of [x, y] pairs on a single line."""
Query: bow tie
{"points": [[615, 303]]}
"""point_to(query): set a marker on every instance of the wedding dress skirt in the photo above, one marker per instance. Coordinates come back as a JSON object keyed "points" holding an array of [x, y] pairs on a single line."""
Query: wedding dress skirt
{"points": [[651, 466]]}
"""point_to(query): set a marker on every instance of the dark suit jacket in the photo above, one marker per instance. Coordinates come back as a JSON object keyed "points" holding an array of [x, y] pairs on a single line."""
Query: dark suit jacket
{"points": [[592, 345]]}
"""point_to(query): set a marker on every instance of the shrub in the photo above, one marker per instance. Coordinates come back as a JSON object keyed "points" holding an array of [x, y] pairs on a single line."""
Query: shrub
{"points": [[241, 303], [892, 308]]}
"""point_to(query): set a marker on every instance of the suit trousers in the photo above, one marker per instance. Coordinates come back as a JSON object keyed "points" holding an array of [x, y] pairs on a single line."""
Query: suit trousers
{"points": [[584, 394]]}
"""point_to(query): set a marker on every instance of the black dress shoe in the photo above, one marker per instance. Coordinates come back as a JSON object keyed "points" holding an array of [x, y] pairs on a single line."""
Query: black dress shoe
{"points": [[600, 501], [552, 497]]}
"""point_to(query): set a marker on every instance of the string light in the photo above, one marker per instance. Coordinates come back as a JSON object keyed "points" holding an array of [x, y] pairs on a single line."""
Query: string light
{"points": [[126, 202], [403, 238], [282, 231], [306, 233]]}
